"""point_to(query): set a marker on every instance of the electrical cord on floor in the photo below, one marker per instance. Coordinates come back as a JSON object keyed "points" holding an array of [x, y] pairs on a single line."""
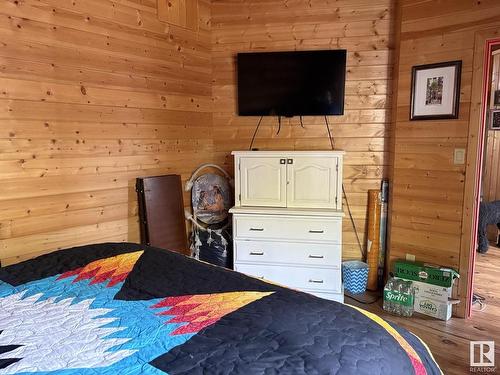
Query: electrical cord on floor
{"points": [[480, 301]]}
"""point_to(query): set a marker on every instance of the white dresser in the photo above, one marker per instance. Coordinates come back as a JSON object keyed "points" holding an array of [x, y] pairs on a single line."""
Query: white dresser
{"points": [[287, 219]]}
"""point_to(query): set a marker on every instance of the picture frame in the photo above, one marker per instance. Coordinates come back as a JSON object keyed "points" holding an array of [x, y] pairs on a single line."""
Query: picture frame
{"points": [[494, 119], [435, 91]]}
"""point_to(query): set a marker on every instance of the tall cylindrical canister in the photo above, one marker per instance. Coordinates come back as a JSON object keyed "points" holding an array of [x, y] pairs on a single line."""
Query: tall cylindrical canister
{"points": [[373, 239]]}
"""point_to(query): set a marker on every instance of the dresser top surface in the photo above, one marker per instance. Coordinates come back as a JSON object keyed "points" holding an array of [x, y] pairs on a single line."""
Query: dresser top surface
{"points": [[287, 211], [289, 153]]}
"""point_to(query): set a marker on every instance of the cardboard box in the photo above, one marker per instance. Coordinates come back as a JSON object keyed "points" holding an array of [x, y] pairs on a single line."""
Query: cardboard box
{"points": [[433, 300], [418, 271], [433, 308], [435, 292]]}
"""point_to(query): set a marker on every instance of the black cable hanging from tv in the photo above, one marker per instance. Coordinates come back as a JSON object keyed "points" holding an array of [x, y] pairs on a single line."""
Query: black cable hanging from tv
{"points": [[352, 222], [301, 123], [332, 141], [332, 144], [279, 125], [255, 133]]}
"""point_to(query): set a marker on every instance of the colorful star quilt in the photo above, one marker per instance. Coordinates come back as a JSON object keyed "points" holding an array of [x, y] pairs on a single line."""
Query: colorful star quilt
{"points": [[131, 309]]}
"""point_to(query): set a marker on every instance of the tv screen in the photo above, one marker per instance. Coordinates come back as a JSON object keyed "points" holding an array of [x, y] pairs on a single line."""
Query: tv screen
{"points": [[295, 83]]}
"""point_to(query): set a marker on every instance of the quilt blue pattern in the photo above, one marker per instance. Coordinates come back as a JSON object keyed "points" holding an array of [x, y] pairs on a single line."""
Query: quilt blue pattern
{"points": [[132, 309]]}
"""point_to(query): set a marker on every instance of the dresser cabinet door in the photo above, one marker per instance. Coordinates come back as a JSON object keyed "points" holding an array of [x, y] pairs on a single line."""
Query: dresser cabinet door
{"points": [[312, 182], [263, 181]]}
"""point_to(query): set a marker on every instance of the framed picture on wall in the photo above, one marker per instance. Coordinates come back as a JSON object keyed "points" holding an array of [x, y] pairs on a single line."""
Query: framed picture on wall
{"points": [[494, 119], [435, 91]]}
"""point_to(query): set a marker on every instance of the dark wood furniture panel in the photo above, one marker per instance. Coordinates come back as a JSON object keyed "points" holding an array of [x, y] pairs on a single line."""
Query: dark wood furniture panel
{"points": [[161, 212]]}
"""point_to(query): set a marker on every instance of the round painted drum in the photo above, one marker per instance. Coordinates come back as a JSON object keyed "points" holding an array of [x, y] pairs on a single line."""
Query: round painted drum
{"points": [[211, 198]]}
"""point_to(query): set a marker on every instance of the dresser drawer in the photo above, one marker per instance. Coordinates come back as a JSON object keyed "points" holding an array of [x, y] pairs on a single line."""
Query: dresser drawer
{"points": [[289, 228], [311, 254], [319, 279], [339, 297]]}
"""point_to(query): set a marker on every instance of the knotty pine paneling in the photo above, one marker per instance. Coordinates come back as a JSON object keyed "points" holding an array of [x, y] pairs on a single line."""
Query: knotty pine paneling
{"points": [[365, 29], [425, 176], [93, 94], [428, 195]]}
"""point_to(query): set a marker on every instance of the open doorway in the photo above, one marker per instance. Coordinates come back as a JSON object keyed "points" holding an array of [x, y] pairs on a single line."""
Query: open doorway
{"points": [[486, 41], [486, 299]]}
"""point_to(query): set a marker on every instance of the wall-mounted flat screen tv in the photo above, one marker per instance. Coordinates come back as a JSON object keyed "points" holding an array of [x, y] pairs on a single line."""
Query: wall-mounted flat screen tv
{"points": [[305, 83]]}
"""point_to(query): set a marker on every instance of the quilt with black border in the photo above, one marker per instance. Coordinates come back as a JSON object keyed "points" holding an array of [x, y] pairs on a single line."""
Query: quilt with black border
{"points": [[131, 309]]}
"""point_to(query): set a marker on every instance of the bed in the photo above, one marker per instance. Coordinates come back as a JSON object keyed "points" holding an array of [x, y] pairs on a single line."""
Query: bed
{"points": [[122, 308]]}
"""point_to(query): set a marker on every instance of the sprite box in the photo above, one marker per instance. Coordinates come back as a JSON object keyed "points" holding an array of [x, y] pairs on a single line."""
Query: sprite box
{"points": [[405, 299], [425, 272], [399, 297]]}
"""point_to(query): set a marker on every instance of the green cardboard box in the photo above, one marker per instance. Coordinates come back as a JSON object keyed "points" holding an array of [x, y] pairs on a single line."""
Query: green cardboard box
{"points": [[428, 273]]}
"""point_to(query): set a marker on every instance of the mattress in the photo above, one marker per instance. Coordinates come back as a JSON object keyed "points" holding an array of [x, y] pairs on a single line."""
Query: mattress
{"points": [[123, 308]]}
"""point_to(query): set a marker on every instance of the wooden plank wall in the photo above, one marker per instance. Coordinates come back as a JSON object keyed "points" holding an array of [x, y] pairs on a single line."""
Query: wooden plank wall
{"points": [[94, 93], [428, 189], [365, 29]]}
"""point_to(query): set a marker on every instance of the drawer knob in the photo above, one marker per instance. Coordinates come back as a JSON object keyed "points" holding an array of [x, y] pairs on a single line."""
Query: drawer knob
{"points": [[316, 231], [316, 256], [316, 281], [257, 229], [256, 253]]}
